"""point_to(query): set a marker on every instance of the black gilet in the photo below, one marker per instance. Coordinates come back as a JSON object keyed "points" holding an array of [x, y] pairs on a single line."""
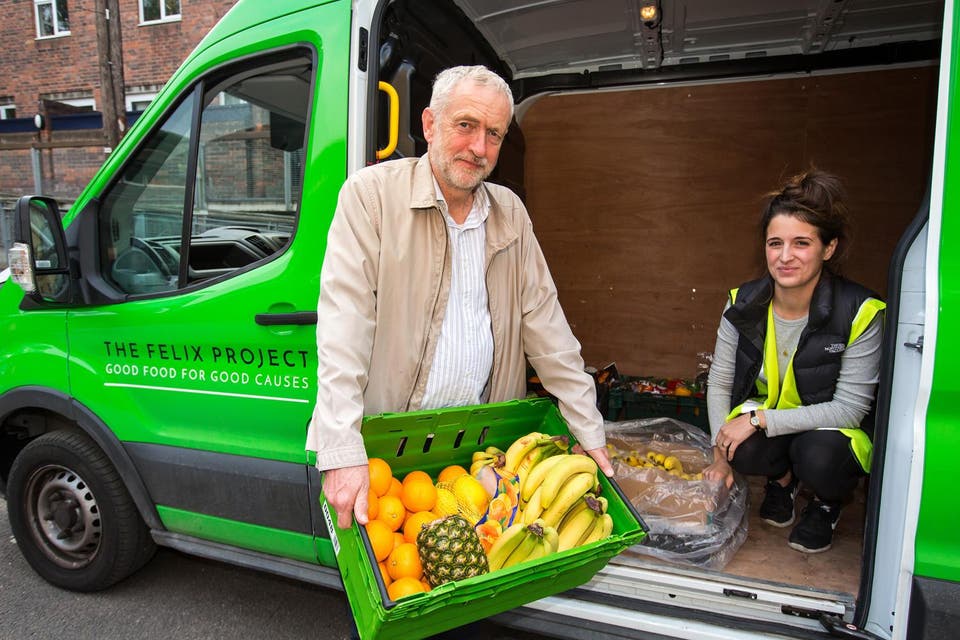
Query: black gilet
{"points": [[816, 363]]}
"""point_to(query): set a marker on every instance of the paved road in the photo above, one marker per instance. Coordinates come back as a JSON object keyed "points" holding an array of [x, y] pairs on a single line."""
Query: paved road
{"points": [[174, 596]]}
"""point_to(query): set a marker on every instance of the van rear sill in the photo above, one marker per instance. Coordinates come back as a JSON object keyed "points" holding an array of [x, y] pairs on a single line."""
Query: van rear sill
{"points": [[639, 588], [572, 616], [733, 581]]}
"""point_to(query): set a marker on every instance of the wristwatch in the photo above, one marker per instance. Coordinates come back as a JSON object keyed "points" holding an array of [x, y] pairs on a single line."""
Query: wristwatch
{"points": [[755, 420]]}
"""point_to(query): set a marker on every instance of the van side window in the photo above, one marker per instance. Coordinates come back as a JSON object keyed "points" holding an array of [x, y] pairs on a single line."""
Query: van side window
{"points": [[142, 215], [245, 159]]}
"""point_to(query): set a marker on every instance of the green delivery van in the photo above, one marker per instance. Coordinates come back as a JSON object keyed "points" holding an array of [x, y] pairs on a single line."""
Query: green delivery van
{"points": [[157, 362]]}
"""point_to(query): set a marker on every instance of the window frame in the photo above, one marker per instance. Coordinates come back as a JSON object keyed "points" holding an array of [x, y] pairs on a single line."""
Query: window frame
{"points": [[57, 31], [82, 103], [164, 17], [104, 290], [5, 111]]}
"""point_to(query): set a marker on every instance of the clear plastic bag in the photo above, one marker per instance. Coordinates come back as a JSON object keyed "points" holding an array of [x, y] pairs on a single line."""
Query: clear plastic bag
{"points": [[657, 463]]}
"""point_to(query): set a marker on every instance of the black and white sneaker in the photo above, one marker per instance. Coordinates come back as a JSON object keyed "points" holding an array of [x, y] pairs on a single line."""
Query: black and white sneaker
{"points": [[777, 506], [814, 532]]}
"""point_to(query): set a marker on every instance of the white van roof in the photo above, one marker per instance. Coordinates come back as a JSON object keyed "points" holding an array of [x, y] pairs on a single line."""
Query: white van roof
{"points": [[539, 37]]}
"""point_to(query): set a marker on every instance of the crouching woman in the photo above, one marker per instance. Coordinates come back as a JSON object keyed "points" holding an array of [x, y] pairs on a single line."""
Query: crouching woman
{"points": [[796, 366]]}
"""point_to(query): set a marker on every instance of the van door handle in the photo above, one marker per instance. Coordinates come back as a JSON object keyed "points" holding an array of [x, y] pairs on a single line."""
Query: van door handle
{"points": [[278, 319]]}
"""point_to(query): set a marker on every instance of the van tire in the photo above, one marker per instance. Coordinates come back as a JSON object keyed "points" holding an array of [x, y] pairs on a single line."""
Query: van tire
{"points": [[72, 516]]}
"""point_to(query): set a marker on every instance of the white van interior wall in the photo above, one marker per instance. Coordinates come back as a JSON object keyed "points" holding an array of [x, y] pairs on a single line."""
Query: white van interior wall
{"points": [[646, 202]]}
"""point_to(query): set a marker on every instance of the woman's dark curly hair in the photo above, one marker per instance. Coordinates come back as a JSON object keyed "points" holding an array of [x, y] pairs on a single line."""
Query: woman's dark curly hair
{"points": [[817, 198]]}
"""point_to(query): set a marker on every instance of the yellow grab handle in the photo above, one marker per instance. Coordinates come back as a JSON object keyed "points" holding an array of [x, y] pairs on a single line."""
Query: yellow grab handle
{"points": [[394, 121]]}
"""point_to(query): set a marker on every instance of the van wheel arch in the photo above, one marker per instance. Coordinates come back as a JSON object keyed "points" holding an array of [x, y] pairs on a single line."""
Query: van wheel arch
{"points": [[29, 412]]}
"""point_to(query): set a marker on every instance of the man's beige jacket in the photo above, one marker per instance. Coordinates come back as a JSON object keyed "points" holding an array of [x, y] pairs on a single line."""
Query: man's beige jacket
{"points": [[383, 292]]}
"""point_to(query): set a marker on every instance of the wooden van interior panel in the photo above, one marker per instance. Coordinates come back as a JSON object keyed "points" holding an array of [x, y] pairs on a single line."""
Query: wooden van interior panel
{"points": [[646, 201]]}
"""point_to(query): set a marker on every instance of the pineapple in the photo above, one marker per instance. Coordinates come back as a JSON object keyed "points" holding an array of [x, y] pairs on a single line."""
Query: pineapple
{"points": [[450, 550]]}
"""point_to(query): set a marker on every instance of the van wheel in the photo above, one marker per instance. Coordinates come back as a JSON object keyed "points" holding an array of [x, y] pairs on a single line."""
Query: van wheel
{"points": [[72, 517]]}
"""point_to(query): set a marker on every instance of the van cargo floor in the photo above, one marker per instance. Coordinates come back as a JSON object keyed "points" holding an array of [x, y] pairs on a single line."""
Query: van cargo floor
{"points": [[765, 556]]}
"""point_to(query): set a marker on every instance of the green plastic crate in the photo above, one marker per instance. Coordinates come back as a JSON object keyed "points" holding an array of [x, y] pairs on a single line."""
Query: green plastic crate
{"points": [[693, 410], [625, 404], [689, 409], [431, 440]]}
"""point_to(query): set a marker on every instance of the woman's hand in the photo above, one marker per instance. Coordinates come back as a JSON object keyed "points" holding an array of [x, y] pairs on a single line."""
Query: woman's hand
{"points": [[720, 471], [732, 434]]}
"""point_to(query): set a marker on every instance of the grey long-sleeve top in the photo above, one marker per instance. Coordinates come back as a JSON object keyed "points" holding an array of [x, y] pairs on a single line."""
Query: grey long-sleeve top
{"points": [[856, 385]]}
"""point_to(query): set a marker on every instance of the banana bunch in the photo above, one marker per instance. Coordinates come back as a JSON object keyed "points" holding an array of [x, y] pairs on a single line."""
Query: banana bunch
{"points": [[528, 451], [585, 522], [555, 486], [489, 457], [654, 460], [522, 542]]}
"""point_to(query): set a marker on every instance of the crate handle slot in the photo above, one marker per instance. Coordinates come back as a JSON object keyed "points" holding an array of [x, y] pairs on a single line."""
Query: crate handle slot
{"points": [[401, 445], [428, 442], [459, 439], [483, 435]]}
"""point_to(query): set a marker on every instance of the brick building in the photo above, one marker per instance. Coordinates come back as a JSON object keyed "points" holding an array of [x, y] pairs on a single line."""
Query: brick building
{"points": [[50, 62]]}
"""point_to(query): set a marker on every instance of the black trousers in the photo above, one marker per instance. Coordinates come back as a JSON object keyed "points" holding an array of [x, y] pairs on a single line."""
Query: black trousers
{"points": [[822, 459]]}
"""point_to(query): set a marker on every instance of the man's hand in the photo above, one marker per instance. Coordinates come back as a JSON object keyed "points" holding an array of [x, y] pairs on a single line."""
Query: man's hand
{"points": [[602, 457], [347, 489]]}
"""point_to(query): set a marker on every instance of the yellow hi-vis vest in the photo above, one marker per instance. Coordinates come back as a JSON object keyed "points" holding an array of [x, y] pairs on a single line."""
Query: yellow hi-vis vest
{"points": [[774, 395]]}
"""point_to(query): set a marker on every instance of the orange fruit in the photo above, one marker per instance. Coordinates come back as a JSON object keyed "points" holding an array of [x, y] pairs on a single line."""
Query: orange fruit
{"points": [[373, 505], [411, 526], [426, 585], [380, 475], [398, 539], [391, 511], [381, 538], [396, 489], [404, 587], [404, 562], [418, 494], [451, 473], [384, 574], [416, 476]]}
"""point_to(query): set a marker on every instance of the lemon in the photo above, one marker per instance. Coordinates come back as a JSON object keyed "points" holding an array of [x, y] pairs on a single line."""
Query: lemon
{"points": [[472, 498], [446, 503]]}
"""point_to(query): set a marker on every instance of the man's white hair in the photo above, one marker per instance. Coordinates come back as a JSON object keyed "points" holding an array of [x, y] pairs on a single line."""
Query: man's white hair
{"points": [[448, 79]]}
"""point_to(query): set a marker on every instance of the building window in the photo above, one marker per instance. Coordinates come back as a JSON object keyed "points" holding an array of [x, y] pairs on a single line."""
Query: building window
{"points": [[82, 104], [159, 10], [52, 18], [139, 101], [8, 111]]}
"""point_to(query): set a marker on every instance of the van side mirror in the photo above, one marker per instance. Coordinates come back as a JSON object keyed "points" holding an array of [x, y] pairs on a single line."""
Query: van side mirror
{"points": [[38, 258]]}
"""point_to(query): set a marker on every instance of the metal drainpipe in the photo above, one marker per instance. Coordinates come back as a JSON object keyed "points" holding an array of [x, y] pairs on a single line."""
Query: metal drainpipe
{"points": [[37, 173]]}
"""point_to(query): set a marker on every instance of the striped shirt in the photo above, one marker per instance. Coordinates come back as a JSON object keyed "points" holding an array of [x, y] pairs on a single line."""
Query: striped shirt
{"points": [[464, 355]]}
